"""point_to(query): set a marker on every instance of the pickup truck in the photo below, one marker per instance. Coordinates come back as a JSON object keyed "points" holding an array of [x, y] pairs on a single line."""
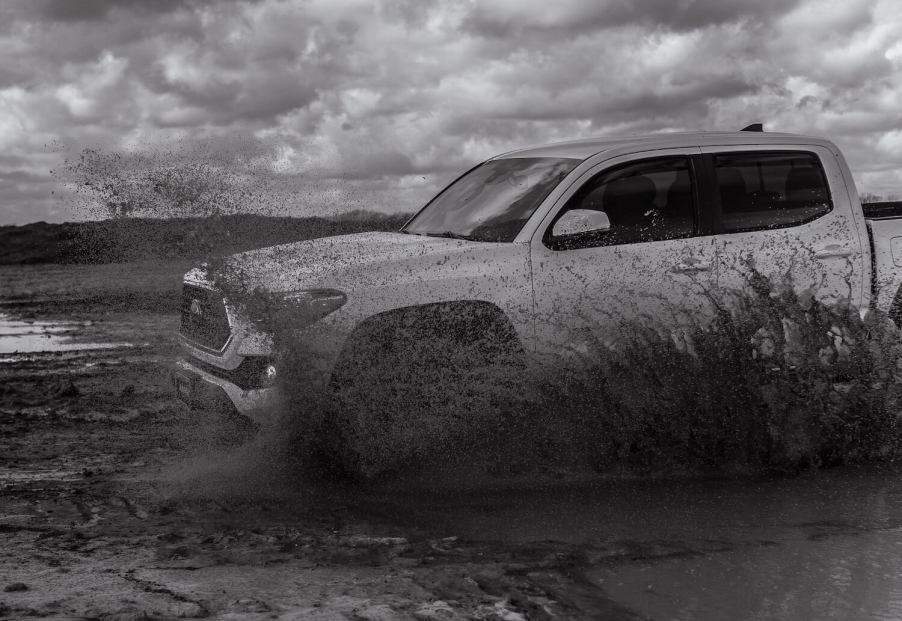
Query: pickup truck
{"points": [[543, 246]]}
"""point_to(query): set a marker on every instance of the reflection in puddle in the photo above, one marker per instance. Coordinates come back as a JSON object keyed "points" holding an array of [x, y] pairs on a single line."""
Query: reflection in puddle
{"points": [[843, 577], [9, 477], [28, 337], [817, 546]]}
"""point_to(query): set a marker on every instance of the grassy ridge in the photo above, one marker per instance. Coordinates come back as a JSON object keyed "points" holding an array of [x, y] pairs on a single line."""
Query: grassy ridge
{"points": [[136, 239]]}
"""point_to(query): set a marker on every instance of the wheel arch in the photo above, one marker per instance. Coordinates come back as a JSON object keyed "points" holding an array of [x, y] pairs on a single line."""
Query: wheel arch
{"points": [[459, 319]]}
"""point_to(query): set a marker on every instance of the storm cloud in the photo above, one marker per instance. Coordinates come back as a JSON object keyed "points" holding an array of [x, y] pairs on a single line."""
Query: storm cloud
{"points": [[377, 104]]}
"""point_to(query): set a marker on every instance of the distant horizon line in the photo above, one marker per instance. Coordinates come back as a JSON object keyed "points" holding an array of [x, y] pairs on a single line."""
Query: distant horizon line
{"points": [[353, 214]]}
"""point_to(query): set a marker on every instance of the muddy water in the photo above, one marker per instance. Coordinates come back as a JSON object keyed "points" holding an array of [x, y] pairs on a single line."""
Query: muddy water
{"points": [[824, 546], [855, 576], [28, 337], [90, 524]]}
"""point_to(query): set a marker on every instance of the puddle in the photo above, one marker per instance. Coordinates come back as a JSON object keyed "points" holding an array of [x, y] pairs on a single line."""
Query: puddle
{"points": [[852, 576], [824, 546], [8, 477], [30, 337]]}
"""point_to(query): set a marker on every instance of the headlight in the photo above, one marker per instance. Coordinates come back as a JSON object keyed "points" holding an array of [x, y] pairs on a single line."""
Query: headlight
{"points": [[309, 305]]}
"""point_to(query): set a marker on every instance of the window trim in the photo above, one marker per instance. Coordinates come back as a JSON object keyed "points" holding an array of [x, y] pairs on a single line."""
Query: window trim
{"points": [[699, 221], [711, 190]]}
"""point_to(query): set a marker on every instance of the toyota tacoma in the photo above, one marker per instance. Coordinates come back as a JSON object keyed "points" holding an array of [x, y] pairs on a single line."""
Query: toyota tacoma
{"points": [[543, 246]]}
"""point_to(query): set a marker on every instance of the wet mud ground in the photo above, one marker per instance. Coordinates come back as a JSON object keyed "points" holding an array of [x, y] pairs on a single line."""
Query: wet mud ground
{"points": [[118, 503]]}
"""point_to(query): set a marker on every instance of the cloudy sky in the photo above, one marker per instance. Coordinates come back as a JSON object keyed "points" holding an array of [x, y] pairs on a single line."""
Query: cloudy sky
{"points": [[346, 104]]}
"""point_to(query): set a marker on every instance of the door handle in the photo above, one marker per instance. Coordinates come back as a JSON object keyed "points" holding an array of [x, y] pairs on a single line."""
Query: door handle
{"points": [[690, 267], [832, 251]]}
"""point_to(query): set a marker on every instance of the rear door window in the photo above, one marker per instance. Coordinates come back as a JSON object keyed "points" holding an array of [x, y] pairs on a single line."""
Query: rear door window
{"points": [[765, 190]]}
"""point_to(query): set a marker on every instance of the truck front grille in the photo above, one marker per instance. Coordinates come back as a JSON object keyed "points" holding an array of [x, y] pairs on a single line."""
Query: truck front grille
{"points": [[204, 318]]}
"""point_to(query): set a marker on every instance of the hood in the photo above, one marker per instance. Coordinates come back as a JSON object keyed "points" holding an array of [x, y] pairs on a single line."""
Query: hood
{"points": [[342, 260]]}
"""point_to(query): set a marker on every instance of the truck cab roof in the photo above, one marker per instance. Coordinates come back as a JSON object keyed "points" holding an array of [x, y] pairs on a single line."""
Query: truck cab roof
{"points": [[588, 147]]}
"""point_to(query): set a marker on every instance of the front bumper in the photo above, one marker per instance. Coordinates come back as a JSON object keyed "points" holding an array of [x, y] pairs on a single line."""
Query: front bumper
{"points": [[200, 389], [220, 366]]}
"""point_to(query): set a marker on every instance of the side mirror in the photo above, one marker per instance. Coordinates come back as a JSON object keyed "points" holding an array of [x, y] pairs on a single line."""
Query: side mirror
{"points": [[581, 221]]}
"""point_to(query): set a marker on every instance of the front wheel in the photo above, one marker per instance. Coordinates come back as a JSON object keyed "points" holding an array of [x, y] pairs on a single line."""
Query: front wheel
{"points": [[410, 391]]}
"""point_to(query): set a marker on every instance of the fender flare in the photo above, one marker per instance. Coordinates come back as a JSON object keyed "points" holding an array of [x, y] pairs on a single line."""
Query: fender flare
{"points": [[461, 320]]}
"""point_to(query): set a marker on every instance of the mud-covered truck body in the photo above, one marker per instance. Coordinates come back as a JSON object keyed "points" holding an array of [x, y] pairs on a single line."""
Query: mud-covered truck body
{"points": [[552, 246]]}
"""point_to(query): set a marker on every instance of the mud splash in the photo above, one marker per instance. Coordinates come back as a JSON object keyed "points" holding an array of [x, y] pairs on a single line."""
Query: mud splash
{"points": [[228, 462]]}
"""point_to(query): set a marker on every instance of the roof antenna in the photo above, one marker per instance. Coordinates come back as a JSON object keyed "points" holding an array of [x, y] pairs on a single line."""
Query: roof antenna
{"points": [[754, 127]]}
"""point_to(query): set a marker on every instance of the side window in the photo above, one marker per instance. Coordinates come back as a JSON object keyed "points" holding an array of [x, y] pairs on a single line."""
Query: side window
{"points": [[761, 191], [647, 200]]}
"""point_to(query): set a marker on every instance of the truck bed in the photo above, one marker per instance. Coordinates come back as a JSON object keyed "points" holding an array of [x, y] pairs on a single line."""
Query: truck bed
{"points": [[883, 210], [884, 222]]}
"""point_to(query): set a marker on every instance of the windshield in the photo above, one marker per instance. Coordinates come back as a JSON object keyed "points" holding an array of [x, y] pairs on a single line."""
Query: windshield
{"points": [[493, 201]]}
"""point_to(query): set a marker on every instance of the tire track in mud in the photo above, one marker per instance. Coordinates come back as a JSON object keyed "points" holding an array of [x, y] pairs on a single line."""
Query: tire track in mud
{"points": [[536, 582], [197, 608], [89, 516], [133, 510], [552, 580]]}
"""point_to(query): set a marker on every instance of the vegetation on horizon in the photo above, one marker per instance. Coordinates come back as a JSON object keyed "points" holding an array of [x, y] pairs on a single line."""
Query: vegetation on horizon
{"points": [[134, 239]]}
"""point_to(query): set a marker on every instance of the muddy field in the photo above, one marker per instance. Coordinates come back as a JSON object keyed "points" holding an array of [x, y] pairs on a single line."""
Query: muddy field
{"points": [[118, 503]]}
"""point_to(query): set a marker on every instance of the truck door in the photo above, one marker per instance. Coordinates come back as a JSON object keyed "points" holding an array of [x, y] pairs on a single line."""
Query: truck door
{"points": [[785, 211], [647, 261]]}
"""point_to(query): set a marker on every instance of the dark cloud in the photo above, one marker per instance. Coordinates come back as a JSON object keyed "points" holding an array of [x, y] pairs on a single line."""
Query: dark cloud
{"points": [[379, 103], [377, 163], [92, 10], [253, 98], [509, 18]]}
